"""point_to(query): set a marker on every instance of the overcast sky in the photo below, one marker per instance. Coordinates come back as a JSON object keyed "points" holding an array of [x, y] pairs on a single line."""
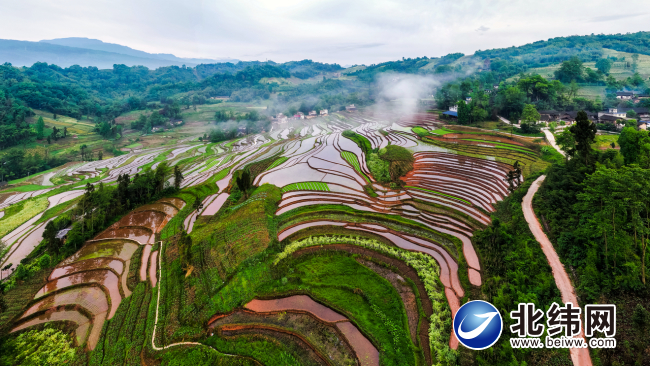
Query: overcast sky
{"points": [[341, 31]]}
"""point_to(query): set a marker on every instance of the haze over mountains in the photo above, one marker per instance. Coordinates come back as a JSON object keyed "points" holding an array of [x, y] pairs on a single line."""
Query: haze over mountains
{"points": [[65, 52]]}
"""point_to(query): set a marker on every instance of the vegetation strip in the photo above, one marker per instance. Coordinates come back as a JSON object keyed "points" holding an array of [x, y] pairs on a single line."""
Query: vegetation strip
{"points": [[306, 186]]}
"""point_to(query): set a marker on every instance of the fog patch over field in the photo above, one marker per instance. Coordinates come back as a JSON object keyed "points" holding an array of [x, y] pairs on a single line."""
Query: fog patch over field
{"points": [[401, 93]]}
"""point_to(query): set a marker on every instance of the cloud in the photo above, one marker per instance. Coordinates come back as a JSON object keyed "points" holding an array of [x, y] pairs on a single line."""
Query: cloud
{"points": [[608, 18], [335, 31]]}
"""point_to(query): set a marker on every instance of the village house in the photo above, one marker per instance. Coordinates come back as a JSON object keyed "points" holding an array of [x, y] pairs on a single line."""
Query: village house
{"points": [[62, 235], [612, 112], [625, 95], [312, 114], [642, 125], [323, 112], [351, 108], [621, 113], [452, 112], [299, 115], [608, 119], [280, 119]]}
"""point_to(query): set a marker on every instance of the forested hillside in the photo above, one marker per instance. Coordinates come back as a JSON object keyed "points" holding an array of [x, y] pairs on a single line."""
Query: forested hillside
{"points": [[587, 48]]}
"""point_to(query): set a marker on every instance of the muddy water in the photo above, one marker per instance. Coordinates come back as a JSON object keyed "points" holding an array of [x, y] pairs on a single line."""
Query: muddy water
{"points": [[147, 219], [92, 299], [23, 247], [188, 224], [215, 206], [113, 248], [297, 302], [367, 353], [87, 265], [153, 269], [140, 235], [293, 174], [167, 209], [176, 202], [286, 233], [103, 277], [145, 262]]}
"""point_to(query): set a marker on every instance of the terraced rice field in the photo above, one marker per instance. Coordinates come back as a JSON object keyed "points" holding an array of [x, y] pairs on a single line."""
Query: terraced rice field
{"points": [[316, 263], [95, 276]]}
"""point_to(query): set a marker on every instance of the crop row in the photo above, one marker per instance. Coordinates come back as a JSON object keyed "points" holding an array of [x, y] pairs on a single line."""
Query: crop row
{"points": [[306, 186], [352, 160]]}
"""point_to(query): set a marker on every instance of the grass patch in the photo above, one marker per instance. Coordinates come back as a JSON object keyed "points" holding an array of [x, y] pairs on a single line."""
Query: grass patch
{"points": [[360, 140], [306, 186], [354, 161], [420, 131], [17, 214], [339, 281], [277, 162], [438, 193], [605, 141], [27, 188], [442, 131]]}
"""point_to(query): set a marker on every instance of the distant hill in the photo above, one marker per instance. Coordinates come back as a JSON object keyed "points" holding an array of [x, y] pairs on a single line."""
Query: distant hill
{"points": [[95, 44], [587, 48], [66, 52]]}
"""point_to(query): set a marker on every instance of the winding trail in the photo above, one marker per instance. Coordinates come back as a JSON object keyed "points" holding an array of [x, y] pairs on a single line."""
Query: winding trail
{"points": [[551, 140], [579, 356]]}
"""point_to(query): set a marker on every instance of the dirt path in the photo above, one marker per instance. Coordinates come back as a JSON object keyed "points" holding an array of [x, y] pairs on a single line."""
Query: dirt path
{"points": [[46, 179], [551, 140], [579, 356]]}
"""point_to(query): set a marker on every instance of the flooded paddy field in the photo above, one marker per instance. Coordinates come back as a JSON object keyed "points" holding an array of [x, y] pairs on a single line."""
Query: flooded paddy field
{"points": [[343, 240]]}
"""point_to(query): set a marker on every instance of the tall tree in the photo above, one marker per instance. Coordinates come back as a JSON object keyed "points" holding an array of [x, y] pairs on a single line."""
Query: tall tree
{"points": [[49, 235], [584, 133], [40, 128], [178, 177], [570, 69], [244, 182], [635, 145], [463, 113], [530, 115], [604, 65]]}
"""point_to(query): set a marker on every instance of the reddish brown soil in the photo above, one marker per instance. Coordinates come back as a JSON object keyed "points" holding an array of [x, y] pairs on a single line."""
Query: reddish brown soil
{"points": [[403, 269], [297, 302], [580, 356], [115, 264]]}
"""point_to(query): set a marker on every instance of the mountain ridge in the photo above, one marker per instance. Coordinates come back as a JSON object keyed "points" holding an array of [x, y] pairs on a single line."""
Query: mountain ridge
{"points": [[27, 53]]}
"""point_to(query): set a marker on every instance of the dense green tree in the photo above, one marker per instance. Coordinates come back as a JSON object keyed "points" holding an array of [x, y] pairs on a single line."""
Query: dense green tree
{"points": [[530, 115], [635, 146], [244, 182], [178, 177], [584, 133], [40, 347], [40, 128], [604, 65], [49, 236], [569, 70], [463, 113]]}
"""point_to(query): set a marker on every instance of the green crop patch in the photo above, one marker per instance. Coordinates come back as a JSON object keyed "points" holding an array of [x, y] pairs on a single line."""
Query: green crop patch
{"points": [[277, 162], [438, 193], [352, 159], [306, 186]]}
